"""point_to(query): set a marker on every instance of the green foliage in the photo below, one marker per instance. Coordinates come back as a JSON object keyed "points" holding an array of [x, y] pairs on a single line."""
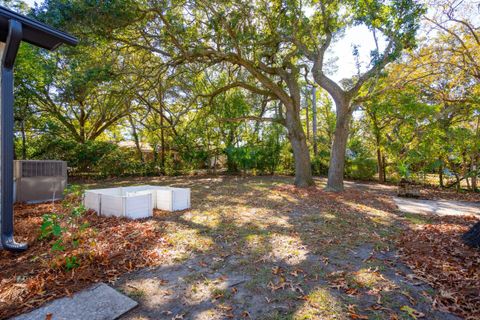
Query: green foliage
{"points": [[404, 170], [170, 168], [361, 168], [75, 191], [50, 226], [262, 158], [320, 163], [64, 232], [71, 263], [192, 88], [119, 162]]}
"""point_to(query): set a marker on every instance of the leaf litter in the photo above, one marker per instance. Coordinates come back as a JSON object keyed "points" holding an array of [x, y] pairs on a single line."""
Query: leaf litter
{"points": [[112, 247]]}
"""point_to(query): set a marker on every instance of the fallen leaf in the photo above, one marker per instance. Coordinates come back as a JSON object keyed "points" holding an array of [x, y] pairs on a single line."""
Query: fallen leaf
{"points": [[412, 312]]}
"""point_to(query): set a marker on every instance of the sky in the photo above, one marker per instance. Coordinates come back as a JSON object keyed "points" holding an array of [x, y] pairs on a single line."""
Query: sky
{"points": [[358, 36], [342, 48]]}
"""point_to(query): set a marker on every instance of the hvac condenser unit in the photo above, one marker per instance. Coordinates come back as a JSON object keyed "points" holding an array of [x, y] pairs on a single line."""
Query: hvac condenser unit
{"points": [[39, 180]]}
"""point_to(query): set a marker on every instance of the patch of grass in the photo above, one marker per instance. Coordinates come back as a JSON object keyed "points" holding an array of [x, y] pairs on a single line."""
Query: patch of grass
{"points": [[285, 295], [320, 304], [191, 240], [260, 279], [315, 270], [315, 218], [277, 315], [135, 293], [193, 277], [221, 294], [417, 218], [366, 278], [390, 299], [180, 256], [375, 264], [258, 246]]}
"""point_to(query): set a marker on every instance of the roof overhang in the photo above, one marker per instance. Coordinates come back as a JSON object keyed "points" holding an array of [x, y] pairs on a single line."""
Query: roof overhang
{"points": [[33, 31]]}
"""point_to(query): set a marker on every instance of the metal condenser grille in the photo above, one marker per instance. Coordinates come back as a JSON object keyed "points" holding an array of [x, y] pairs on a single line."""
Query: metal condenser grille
{"points": [[42, 169]]}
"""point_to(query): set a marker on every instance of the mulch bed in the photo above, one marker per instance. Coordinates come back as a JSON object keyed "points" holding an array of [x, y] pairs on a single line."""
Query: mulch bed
{"points": [[437, 255], [110, 247], [432, 193]]}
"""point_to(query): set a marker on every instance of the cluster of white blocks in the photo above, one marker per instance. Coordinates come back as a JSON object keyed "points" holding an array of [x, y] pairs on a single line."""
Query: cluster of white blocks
{"points": [[136, 202]]}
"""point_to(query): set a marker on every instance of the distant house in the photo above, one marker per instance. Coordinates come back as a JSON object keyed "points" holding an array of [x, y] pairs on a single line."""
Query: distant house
{"points": [[147, 150]]}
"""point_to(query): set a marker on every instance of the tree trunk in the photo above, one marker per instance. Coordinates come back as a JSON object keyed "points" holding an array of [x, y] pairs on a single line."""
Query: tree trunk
{"points": [[24, 140], [458, 181], [162, 141], [380, 164], [308, 121], [440, 176], [231, 164], [303, 168], [339, 147], [136, 139], [473, 169], [384, 169], [381, 177], [314, 120], [380, 157]]}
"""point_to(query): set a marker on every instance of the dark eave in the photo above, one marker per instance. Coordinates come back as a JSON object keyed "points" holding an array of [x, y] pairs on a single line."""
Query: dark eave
{"points": [[34, 32]]}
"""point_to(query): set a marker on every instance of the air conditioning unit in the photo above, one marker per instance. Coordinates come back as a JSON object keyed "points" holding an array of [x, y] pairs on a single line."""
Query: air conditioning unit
{"points": [[39, 180]]}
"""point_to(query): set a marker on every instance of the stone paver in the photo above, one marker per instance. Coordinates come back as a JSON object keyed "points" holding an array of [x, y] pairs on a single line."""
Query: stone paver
{"points": [[437, 207], [99, 302]]}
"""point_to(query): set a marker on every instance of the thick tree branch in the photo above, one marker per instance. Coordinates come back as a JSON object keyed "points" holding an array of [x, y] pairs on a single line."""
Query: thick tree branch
{"points": [[254, 118], [385, 59]]}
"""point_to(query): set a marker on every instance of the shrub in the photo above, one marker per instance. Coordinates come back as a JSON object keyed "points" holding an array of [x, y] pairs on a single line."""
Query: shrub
{"points": [[361, 168], [320, 163], [119, 162]]}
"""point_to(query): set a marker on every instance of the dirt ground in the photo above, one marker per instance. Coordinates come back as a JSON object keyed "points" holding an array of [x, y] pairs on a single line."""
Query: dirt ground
{"points": [[258, 248]]}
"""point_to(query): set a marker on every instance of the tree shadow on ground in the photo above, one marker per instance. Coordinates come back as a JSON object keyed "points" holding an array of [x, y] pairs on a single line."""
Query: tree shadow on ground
{"points": [[260, 249]]}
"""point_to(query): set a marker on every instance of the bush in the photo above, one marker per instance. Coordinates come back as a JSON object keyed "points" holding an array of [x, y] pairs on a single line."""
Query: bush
{"points": [[193, 159], [94, 157], [119, 162], [320, 163], [361, 168], [260, 159]]}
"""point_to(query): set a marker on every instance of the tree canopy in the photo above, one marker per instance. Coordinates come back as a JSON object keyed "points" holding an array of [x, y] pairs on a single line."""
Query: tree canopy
{"points": [[174, 87]]}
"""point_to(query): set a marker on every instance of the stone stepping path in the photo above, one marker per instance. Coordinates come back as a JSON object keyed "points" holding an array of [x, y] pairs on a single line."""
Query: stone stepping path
{"points": [[99, 302]]}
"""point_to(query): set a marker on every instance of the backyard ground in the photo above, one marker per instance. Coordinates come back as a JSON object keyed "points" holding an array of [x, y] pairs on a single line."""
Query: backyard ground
{"points": [[258, 248]]}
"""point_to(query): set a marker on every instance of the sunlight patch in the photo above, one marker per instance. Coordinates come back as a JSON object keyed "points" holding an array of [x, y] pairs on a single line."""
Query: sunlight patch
{"points": [[320, 304], [288, 249], [367, 278]]}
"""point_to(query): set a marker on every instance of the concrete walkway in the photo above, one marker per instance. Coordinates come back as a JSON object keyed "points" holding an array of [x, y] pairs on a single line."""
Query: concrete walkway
{"points": [[437, 207], [99, 302]]}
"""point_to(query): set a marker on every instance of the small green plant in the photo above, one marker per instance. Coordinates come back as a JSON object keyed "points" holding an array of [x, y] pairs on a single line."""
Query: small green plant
{"points": [[71, 263], [74, 190], [65, 231], [404, 170], [50, 226], [78, 211], [58, 245]]}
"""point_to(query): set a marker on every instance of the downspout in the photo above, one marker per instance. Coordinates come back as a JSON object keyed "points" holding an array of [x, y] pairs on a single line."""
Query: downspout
{"points": [[10, 51]]}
